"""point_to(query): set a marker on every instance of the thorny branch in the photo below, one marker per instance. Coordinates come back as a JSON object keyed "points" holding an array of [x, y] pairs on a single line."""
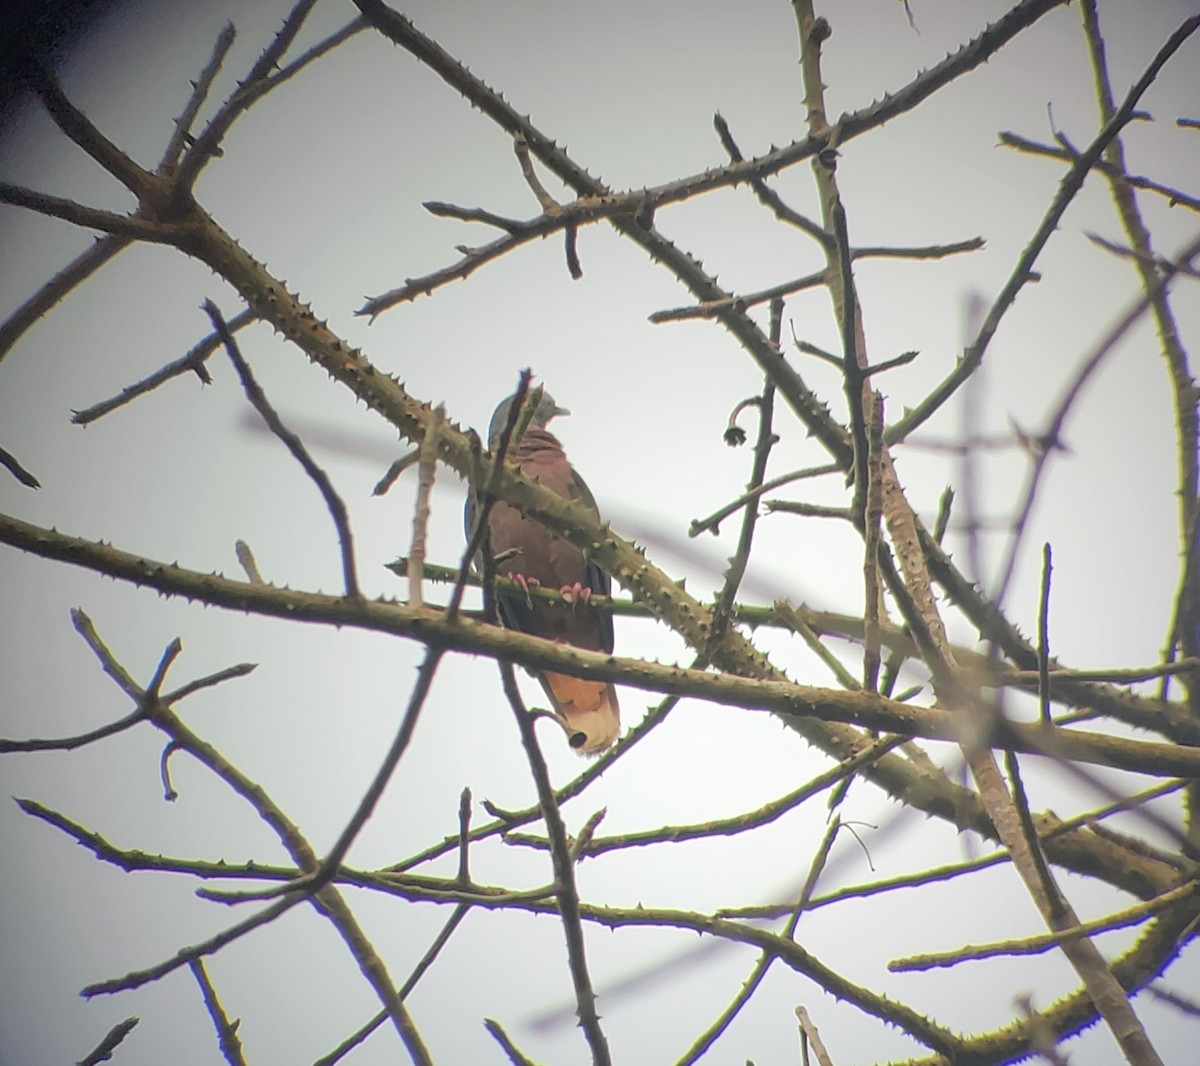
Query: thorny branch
{"points": [[741, 675]]}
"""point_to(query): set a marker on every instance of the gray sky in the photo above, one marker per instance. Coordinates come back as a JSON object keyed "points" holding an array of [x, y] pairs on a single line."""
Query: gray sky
{"points": [[324, 182]]}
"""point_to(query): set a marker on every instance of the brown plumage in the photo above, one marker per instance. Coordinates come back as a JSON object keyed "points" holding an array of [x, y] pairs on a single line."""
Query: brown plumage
{"points": [[529, 552]]}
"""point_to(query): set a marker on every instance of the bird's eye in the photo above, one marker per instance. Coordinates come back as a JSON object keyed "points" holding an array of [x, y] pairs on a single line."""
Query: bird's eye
{"points": [[578, 740]]}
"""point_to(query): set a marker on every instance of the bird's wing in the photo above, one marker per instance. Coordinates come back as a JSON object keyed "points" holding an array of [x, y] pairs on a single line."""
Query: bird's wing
{"points": [[598, 580]]}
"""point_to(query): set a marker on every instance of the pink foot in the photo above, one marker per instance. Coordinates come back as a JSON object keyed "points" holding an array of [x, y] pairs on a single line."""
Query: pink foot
{"points": [[526, 584], [575, 593]]}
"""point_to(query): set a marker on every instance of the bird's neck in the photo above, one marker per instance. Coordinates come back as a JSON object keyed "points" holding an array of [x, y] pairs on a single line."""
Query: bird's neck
{"points": [[538, 443]]}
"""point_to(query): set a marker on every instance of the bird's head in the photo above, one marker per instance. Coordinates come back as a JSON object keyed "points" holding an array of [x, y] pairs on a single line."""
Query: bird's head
{"points": [[544, 410]]}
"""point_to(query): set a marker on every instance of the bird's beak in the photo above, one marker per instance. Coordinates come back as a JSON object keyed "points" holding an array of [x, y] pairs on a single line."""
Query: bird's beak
{"points": [[559, 411]]}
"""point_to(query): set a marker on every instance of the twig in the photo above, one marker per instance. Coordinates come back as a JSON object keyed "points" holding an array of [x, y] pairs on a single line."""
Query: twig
{"points": [[87, 263], [76, 741], [872, 521], [103, 1051], [13, 465], [1044, 636], [742, 823], [464, 837], [80, 129], [394, 471], [713, 522], [564, 869], [256, 396], [1117, 675], [472, 259], [945, 505], [127, 227], [571, 250], [706, 1039], [139, 714], [812, 349], [248, 563], [796, 958], [192, 362], [227, 1038], [321, 48], [82, 267], [428, 470], [486, 495], [854, 355], [922, 251], [808, 1030], [1145, 258], [547, 202], [1173, 196], [1057, 907], [1036, 945], [228, 674], [712, 308], [810, 510], [512, 226], [762, 453], [766, 195], [890, 364], [966, 442], [790, 617], [567, 217], [1097, 784], [184, 956], [1160, 878], [1184, 1004], [515, 1055], [124, 680], [200, 90]]}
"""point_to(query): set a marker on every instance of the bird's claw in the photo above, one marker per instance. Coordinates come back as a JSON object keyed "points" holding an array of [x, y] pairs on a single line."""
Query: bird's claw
{"points": [[575, 593], [526, 583]]}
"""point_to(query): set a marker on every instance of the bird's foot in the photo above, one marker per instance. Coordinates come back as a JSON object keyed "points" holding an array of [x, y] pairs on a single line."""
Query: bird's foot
{"points": [[526, 584], [575, 593]]}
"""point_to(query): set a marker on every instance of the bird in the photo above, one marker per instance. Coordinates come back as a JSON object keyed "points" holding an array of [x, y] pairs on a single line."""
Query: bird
{"points": [[531, 555]]}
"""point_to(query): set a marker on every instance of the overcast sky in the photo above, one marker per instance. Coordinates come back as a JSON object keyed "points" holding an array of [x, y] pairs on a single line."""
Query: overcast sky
{"points": [[324, 181]]}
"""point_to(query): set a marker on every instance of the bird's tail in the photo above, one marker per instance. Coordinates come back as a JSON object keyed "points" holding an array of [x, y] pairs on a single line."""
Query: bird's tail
{"points": [[587, 710]]}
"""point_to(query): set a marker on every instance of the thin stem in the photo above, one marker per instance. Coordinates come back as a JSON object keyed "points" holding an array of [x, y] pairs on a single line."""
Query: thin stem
{"points": [[1070, 184], [258, 398], [227, 1038]]}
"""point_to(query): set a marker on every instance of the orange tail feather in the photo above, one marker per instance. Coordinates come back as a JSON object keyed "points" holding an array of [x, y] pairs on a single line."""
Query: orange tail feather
{"points": [[588, 711]]}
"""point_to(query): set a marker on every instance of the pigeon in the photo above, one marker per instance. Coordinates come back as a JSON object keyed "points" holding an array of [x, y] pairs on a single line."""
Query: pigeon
{"points": [[531, 555]]}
